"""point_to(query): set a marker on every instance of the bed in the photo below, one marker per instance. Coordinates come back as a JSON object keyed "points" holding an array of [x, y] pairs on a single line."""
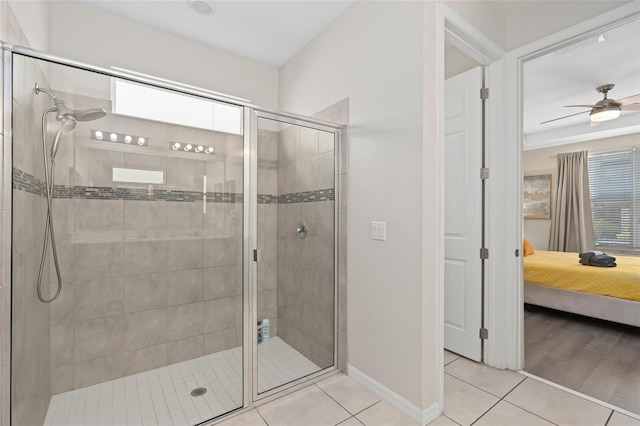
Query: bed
{"points": [[556, 280]]}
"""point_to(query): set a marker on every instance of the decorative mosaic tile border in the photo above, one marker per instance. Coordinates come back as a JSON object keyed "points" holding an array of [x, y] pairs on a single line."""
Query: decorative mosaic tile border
{"points": [[26, 182], [267, 199], [134, 194], [308, 196]]}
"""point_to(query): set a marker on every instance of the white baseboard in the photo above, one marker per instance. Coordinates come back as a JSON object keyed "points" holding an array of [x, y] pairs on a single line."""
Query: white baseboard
{"points": [[422, 417]]}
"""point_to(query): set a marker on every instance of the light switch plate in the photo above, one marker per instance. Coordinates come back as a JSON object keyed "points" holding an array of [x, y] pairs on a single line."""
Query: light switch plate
{"points": [[379, 231]]}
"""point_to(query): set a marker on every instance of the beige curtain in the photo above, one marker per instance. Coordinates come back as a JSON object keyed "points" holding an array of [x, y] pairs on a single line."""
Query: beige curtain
{"points": [[571, 221]]}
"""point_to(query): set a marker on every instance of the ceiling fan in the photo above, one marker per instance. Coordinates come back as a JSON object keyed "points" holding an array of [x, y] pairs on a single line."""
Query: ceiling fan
{"points": [[605, 109]]}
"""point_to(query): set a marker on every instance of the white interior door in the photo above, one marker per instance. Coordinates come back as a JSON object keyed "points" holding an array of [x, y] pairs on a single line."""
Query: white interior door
{"points": [[463, 214]]}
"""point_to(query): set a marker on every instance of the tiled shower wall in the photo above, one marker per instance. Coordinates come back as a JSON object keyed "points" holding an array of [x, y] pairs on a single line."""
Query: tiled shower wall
{"points": [[30, 317], [339, 113], [306, 266], [152, 273]]}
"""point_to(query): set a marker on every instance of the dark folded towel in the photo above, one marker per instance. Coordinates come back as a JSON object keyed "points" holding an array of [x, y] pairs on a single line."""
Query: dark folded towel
{"points": [[591, 258], [602, 261], [585, 258], [603, 258], [604, 265], [590, 253]]}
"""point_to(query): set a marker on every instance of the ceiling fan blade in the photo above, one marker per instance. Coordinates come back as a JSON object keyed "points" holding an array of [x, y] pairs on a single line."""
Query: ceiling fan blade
{"points": [[631, 107], [582, 106], [595, 123], [566, 116], [629, 100]]}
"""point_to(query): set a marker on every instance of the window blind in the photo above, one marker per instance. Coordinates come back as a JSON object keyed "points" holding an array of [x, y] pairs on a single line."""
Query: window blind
{"points": [[614, 181]]}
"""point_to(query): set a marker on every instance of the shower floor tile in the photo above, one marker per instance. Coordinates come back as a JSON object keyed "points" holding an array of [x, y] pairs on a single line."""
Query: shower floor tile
{"points": [[163, 396]]}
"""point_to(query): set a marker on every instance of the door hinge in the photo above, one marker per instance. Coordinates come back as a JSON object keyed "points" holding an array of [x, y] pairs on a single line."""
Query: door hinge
{"points": [[484, 173], [484, 253], [484, 333], [484, 93], [257, 256]]}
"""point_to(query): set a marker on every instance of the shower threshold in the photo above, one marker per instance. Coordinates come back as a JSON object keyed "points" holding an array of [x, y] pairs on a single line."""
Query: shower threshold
{"points": [[164, 396]]}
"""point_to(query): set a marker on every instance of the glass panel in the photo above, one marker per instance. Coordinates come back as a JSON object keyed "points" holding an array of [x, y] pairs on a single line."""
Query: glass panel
{"points": [[148, 324], [296, 300]]}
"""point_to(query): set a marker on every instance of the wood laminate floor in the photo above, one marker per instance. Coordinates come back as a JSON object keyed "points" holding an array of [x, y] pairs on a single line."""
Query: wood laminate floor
{"points": [[598, 358]]}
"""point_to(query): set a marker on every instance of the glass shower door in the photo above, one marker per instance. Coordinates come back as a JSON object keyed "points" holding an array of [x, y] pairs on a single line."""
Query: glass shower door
{"points": [[295, 294], [148, 218]]}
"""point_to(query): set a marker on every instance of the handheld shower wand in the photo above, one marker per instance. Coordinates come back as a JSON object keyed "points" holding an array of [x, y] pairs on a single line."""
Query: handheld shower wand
{"points": [[68, 119], [68, 124]]}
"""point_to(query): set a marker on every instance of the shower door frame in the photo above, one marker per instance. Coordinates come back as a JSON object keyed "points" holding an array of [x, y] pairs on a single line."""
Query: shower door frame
{"points": [[7, 232], [251, 265], [249, 237]]}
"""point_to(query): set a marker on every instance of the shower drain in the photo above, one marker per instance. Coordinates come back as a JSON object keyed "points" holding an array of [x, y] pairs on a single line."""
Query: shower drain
{"points": [[198, 391]]}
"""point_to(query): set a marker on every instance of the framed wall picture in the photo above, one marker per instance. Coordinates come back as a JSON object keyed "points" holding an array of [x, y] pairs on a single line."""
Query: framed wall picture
{"points": [[537, 197]]}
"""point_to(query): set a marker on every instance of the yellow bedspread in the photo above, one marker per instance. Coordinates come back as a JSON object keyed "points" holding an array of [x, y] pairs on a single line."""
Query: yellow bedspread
{"points": [[562, 270]]}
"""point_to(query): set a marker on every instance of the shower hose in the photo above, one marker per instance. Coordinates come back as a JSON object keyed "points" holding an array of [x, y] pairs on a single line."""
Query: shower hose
{"points": [[48, 229]]}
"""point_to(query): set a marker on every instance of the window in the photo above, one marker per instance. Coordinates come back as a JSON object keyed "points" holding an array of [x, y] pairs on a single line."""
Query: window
{"points": [[140, 101], [614, 181]]}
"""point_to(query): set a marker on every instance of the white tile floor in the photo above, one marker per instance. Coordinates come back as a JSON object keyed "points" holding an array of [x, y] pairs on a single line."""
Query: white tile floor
{"points": [[163, 396], [474, 394]]}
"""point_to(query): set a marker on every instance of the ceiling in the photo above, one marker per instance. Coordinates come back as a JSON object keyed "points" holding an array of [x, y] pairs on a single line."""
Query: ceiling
{"points": [[569, 76], [270, 32]]}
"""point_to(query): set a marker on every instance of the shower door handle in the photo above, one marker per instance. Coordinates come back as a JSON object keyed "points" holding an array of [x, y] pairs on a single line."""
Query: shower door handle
{"points": [[257, 255]]}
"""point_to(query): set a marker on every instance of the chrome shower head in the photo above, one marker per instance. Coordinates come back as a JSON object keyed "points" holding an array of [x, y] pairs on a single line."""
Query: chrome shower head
{"points": [[68, 117], [63, 111]]}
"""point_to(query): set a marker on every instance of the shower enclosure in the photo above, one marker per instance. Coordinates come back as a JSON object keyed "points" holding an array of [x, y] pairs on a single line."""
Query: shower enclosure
{"points": [[196, 242]]}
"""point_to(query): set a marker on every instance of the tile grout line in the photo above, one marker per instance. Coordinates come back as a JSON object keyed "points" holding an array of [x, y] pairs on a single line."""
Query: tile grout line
{"points": [[452, 361], [343, 407], [489, 393], [538, 416], [483, 414], [263, 419], [471, 384], [450, 418], [503, 399], [514, 388], [363, 410], [608, 418]]}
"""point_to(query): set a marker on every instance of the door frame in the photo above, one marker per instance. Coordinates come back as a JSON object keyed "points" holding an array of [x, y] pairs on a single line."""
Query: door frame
{"points": [[250, 242], [511, 311], [479, 47]]}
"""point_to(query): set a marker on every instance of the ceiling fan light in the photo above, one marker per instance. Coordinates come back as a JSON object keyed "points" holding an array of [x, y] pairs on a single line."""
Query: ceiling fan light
{"points": [[605, 114]]}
